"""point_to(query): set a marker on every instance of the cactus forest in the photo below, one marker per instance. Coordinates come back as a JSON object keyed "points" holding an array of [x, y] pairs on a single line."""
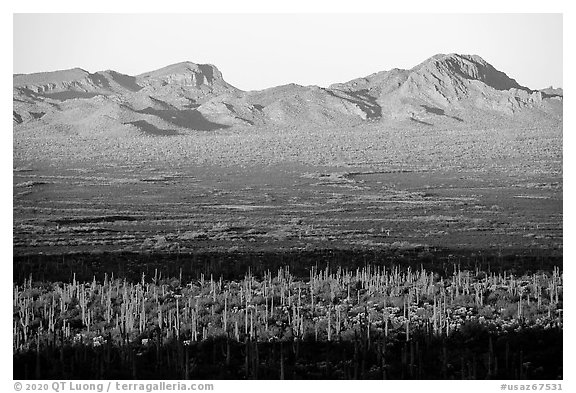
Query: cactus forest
{"points": [[368, 322]]}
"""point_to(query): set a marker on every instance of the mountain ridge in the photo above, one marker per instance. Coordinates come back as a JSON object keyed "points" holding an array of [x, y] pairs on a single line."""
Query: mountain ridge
{"points": [[444, 89]]}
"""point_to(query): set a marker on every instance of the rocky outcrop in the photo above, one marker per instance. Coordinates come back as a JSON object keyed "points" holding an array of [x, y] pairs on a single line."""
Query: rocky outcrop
{"points": [[553, 92]]}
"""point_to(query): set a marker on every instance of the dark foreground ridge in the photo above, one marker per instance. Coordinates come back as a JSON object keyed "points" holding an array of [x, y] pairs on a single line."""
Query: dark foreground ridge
{"points": [[473, 353], [233, 265]]}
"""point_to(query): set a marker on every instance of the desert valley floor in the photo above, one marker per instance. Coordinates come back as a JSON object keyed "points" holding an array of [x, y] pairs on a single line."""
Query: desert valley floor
{"points": [[492, 190]]}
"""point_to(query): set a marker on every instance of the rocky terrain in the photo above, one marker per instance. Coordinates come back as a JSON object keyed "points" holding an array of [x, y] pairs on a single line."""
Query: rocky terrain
{"points": [[443, 90]]}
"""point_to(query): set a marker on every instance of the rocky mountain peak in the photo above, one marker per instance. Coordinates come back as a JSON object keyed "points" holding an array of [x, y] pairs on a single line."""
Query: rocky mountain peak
{"points": [[184, 73], [464, 67]]}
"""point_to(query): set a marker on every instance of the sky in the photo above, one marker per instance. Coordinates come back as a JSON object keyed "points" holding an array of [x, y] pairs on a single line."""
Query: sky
{"points": [[256, 51]]}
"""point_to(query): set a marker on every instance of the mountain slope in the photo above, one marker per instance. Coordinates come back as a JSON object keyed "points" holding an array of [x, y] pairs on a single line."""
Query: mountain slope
{"points": [[449, 87], [443, 90]]}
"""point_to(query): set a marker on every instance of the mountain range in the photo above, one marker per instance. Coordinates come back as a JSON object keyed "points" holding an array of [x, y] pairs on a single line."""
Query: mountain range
{"points": [[447, 90]]}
